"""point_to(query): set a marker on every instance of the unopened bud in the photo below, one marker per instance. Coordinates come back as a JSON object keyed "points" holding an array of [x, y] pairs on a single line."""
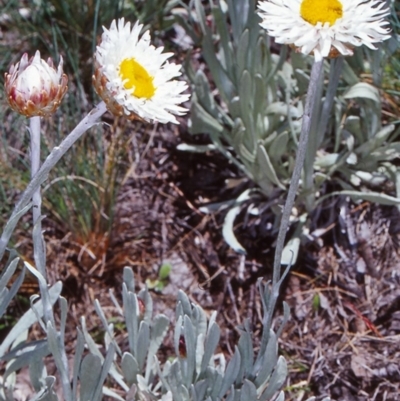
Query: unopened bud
{"points": [[34, 87]]}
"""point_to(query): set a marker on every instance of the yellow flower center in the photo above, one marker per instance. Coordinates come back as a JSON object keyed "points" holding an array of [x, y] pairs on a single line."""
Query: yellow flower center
{"points": [[137, 77], [314, 11]]}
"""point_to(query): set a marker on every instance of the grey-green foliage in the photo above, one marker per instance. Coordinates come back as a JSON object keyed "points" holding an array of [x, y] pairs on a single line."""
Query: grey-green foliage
{"points": [[198, 372], [253, 116], [250, 115], [7, 294], [88, 372], [257, 108], [359, 155]]}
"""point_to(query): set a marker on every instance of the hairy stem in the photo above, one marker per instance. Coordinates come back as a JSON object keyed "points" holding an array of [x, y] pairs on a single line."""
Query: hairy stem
{"points": [[277, 278], [37, 235]]}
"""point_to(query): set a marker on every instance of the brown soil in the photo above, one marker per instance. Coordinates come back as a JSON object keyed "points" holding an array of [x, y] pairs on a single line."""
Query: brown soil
{"points": [[342, 339]]}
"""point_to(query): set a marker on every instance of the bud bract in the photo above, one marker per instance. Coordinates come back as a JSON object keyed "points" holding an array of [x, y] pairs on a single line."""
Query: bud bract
{"points": [[35, 87]]}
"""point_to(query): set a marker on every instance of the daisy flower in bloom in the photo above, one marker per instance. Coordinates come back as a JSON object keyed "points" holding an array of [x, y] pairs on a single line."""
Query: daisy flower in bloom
{"points": [[134, 78], [34, 87], [325, 27]]}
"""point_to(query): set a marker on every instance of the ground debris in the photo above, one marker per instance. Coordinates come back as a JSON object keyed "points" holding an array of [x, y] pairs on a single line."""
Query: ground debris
{"points": [[347, 336]]}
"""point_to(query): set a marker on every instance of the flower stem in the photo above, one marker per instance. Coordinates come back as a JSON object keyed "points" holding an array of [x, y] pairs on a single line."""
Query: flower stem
{"points": [[319, 125], [334, 75], [37, 235], [51, 160], [277, 278], [34, 128], [295, 180]]}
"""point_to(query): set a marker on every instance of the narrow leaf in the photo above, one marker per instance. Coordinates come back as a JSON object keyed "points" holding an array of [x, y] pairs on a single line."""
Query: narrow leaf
{"points": [[363, 90], [130, 368], [89, 376], [211, 343], [277, 379], [29, 318]]}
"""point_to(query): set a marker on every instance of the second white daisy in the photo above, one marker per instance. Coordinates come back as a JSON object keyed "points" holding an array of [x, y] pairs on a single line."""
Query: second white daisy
{"points": [[325, 27], [134, 78]]}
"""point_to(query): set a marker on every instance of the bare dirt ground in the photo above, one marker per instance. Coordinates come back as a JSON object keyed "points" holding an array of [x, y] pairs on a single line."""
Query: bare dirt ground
{"points": [[343, 337]]}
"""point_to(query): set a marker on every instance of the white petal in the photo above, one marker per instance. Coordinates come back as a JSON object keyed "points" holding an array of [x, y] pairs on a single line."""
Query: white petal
{"points": [[362, 23], [122, 42]]}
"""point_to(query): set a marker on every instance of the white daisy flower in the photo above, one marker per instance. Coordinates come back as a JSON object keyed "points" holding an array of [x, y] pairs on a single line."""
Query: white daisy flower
{"points": [[325, 27], [134, 78]]}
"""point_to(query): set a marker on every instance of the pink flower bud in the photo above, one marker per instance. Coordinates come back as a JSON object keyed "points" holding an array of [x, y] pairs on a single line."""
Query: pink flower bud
{"points": [[34, 87]]}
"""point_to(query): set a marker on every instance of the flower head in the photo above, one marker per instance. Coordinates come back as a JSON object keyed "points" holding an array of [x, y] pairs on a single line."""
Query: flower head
{"points": [[34, 87], [325, 27], [134, 78]]}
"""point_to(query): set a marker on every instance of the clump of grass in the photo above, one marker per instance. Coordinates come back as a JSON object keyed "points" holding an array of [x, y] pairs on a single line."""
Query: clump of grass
{"points": [[81, 191]]}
